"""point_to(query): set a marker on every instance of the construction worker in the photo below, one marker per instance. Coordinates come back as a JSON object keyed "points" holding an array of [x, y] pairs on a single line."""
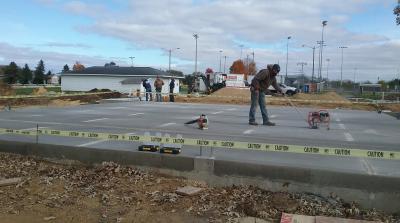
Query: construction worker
{"points": [[158, 83], [259, 86], [202, 122], [171, 90], [147, 86]]}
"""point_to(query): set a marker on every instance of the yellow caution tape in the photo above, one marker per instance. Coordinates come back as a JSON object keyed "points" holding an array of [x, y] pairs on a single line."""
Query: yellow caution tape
{"points": [[341, 152]]}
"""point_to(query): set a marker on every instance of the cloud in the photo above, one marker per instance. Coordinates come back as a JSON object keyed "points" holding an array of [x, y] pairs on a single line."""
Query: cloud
{"points": [[53, 60], [82, 8], [69, 45]]}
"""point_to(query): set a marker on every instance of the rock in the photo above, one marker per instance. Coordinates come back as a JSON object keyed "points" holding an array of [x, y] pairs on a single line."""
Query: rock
{"points": [[188, 190], [49, 218], [10, 181]]}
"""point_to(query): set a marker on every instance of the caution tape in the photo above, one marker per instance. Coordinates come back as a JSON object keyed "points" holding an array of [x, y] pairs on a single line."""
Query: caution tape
{"points": [[316, 150], [280, 99], [50, 95]]}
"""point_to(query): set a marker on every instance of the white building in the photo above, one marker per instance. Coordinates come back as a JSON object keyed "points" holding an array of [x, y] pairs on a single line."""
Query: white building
{"points": [[121, 79]]}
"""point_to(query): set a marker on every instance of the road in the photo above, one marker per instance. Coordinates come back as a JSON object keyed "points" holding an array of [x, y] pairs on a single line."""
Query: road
{"points": [[349, 129]]}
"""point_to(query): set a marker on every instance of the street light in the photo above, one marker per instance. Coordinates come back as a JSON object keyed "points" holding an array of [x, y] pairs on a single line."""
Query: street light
{"points": [[132, 60], [354, 80], [241, 50], [169, 64], [287, 55], [324, 23], [313, 56], [341, 67], [220, 57], [196, 36], [224, 64]]}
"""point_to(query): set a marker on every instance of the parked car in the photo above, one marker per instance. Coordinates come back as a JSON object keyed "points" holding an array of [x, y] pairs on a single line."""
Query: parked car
{"points": [[285, 89]]}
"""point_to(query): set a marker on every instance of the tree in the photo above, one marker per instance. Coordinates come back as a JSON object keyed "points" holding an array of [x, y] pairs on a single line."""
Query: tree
{"points": [[11, 73], [65, 68], [48, 77], [396, 11], [25, 75], [237, 67], [39, 73], [176, 73], [78, 66]]}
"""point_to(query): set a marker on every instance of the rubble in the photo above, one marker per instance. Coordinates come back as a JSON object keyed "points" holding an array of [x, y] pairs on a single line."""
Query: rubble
{"points": [[110, 192]]}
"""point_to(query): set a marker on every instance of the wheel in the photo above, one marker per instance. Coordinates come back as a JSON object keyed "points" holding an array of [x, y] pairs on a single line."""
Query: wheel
{"points": [[290, 93]]}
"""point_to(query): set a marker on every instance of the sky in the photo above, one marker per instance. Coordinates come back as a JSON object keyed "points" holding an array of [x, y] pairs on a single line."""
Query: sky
{"points": [[95, 32]]}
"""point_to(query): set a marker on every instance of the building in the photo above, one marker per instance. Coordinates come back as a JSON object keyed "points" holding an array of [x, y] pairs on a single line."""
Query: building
{"points": [[115, 78]]}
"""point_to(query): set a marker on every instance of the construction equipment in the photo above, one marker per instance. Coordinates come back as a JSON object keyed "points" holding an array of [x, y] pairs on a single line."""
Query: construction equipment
{"points": [[316, 118], [202, 122]]}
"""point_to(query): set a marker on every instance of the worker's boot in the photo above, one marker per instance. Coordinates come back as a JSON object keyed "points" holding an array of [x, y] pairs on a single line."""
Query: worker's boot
{"points": [[253, 123], [268, 123]]}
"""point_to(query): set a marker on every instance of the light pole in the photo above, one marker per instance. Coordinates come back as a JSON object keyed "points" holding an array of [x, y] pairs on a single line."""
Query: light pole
{"points": [[132, 60], [324, 23], [313, 59], [169, 64], [302, 64], [220, 58], [287, 56], [224, 64], [253, 55], [341, 67], [241, 50], [196, 36]]}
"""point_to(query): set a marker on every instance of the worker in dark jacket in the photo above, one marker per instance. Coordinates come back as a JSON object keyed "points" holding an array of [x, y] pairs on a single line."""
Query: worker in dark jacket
{"points": [[147, 86], [171, 90], [259, 86]]}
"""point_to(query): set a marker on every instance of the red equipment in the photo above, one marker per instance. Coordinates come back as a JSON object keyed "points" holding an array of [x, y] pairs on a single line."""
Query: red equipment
{"points": [[316, 118]]}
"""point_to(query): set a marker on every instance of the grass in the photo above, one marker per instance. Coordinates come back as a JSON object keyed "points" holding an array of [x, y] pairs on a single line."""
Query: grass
{"points": [[29, 91]]}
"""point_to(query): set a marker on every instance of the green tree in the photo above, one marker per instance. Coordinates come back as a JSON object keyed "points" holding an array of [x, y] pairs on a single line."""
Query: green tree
{"points": [[25, 75], [11, 72], [39, 73], [65, 68], [47, 77], [176, 73]]}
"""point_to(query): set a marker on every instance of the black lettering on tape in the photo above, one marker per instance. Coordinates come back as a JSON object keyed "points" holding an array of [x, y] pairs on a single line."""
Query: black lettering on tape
{"points": [[343, 152], [228, 144], [156, 139], [55, 132], [113, 136], [281, 148], [253, 146], [203, 142], [9, 130], [26, 132], [392, 155], [134, 138], [311, 149], [93, 135], [74, 134], [180, 141], [375, 154]]}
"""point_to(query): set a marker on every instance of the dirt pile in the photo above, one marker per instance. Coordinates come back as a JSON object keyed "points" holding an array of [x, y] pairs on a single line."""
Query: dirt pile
{"points": [[109, 192], [39, 91], [6, 90]]}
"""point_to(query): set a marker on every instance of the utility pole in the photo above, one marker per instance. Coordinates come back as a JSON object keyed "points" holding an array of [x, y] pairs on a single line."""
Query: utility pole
{"points": [[169, 64], [196, 36], [327, 72], [313, 59], [302, 64], [354, 79], [287, 56], [132, 60], [253, 55], [220, 57]]}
